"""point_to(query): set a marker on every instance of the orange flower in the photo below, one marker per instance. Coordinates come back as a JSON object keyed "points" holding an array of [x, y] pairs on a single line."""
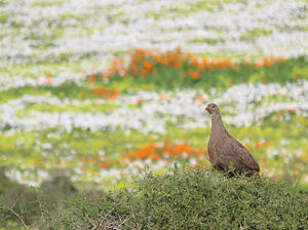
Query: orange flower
{"points": [[195, 75], [224, 64], [135, 69], [155, 152], [246, 63], [176, 64], [39, 163], [198, 153], [139, 51], [114, 66], [259, 64], [201, 66], [281, 112], [193, 61], [205, 62], [103, 165], [234, 66], [178, 50], [107, 74], [113, 94], [91, 160], [216, 63], [201, 99], [267, 62], [230, 84], [159, 59], [100, 90], [259, 144], [228, 62], [48, 80], [162, 97], [92, 78], [154, 156], [170, 57], [145, 72], [147, 65], [269, 143], [138, 101]]}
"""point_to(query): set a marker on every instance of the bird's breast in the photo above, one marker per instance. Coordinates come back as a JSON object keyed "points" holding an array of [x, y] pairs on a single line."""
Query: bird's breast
{"points": [[212, 148], [215, 147]]}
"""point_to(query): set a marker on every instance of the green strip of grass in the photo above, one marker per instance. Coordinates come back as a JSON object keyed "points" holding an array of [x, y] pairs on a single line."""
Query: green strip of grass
{"points": [[105, 108], [171, 78], [66, 90], [47, 68]]}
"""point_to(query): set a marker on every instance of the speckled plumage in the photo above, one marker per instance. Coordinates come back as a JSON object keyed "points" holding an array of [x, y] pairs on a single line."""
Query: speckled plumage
{"points": [[224, 150]]}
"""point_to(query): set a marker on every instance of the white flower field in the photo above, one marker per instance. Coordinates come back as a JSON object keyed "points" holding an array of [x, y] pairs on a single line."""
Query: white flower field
{"points": [[103, 88]]}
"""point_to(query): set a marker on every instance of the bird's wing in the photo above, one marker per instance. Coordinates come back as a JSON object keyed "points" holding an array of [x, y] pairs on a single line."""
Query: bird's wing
{"points": [[242, 155]]}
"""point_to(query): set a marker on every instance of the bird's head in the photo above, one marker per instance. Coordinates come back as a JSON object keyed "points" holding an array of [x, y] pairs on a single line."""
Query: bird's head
{"points": [[212, 109]]}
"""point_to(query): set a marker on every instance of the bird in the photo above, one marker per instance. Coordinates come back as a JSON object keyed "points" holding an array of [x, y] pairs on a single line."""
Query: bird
{"points": [[225, 152]]}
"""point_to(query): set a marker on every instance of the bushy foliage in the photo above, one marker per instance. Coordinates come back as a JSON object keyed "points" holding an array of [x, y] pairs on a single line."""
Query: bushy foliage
{"points": [[181, 199], [26, 205]]}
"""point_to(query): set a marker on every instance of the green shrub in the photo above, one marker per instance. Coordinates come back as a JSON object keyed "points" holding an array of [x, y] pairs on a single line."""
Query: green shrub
{"points": [[26, 205], [189, 199]]}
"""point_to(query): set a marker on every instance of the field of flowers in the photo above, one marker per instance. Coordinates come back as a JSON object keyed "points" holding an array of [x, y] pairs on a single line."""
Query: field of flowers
{"points": [[106, 88]]}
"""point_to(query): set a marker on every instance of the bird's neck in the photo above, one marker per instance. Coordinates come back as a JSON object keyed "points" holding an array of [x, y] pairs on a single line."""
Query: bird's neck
{"points": [[218, 127]]}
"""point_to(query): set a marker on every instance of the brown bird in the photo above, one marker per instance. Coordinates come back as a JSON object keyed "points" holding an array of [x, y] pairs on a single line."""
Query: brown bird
{"points": [[225, 152]]}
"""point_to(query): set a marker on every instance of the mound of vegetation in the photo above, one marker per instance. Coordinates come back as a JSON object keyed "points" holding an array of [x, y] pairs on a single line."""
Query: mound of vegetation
{"points": [[182, 199]]}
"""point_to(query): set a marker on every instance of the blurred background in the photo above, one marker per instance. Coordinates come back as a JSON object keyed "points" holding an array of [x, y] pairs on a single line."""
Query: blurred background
{"points": [[103, 88]]}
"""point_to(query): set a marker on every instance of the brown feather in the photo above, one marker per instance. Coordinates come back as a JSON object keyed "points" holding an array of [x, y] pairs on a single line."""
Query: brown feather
{"points": [[225, 150]]}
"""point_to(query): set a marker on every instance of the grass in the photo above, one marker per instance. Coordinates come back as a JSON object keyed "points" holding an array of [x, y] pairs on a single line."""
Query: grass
{"points": [[67, 90], [263, 140], [180, 199]]}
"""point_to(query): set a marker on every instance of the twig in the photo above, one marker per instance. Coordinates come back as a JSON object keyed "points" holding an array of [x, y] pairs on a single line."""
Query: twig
{"points": [[19, 217], [94, 225]]}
